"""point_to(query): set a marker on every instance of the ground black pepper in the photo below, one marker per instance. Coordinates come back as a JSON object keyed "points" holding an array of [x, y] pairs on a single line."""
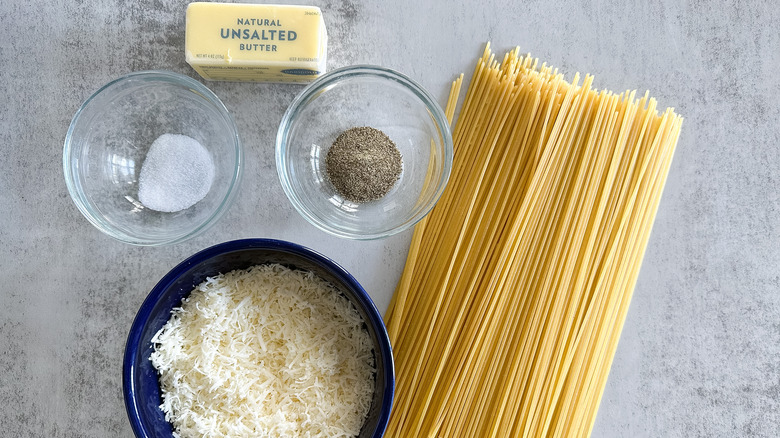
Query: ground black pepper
{"points": [[363, 164]]}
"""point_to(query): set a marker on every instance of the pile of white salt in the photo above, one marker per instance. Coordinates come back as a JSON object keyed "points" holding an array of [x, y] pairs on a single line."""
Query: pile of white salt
{"points": [[176, 174]]}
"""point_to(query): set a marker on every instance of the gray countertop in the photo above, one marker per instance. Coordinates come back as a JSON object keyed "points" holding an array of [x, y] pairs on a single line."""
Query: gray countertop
{"points": [[700, 352]]}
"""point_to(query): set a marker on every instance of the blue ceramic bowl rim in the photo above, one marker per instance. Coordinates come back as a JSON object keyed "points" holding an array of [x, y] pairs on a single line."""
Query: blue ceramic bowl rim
{"points": [[144, 312], [74, 185], [321, 85]]}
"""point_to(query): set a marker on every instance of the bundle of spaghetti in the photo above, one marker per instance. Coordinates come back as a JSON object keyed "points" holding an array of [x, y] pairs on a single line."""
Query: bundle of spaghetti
{"points": [[517, 284]]}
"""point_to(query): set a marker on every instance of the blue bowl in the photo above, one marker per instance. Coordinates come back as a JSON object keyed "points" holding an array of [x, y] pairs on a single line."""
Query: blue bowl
{"points": [[140, 381]]}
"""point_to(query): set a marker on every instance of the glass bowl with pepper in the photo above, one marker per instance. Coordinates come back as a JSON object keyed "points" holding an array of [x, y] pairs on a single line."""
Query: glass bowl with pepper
{"points": [[364, 152]]}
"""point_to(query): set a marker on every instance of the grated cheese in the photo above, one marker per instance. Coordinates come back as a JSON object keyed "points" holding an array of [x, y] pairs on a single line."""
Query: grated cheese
{"points": [[266, 351]]}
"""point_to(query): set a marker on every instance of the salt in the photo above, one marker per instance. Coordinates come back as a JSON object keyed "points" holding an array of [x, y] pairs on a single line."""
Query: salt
{"points": [[176, 174]]}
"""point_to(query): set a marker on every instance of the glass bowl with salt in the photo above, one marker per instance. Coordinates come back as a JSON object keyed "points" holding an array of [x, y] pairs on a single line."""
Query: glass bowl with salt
{"points": [[152, 158], [364, 152]]}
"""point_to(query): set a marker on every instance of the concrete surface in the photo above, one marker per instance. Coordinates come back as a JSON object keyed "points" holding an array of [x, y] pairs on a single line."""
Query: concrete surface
{"points": [[700, 353]]}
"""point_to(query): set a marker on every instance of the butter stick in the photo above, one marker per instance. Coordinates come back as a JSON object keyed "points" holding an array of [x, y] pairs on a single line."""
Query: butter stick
{"points": [[250, 42]]}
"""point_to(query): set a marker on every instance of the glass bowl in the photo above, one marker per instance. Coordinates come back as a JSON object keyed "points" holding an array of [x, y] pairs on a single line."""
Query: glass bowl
{"points": [[360, 96], [140, 382], [110, 136]]}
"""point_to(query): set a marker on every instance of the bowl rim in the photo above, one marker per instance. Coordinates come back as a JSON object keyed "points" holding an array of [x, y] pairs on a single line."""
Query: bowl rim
{"points": [[132, 345], [320, 85], [73, 182]]}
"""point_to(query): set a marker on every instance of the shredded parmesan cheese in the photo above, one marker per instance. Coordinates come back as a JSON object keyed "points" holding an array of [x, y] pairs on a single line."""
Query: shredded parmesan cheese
{"points": [[266, 351]]}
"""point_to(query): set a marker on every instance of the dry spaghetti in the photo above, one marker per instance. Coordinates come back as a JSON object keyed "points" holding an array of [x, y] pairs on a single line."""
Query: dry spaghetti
{"points": [[516, 286]]}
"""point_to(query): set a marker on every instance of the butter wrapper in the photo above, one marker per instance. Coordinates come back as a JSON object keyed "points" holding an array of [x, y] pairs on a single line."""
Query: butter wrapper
{"points": [[252, 42]]}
